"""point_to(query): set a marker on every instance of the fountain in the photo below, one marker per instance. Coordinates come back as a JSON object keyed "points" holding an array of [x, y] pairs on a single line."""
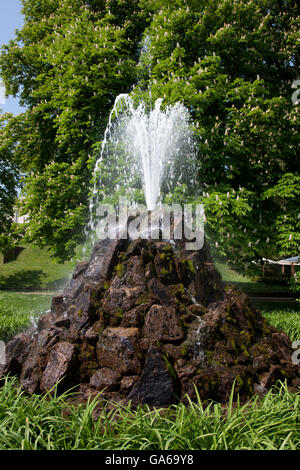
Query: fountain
{"points": [[152, 143], [146, 320]]}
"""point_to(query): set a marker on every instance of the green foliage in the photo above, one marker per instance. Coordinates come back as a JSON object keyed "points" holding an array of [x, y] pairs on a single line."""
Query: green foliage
{"points": [[52, 422], [294, 283], [8, 183], [68, 63], [55, 207], [231, 63], [286, 223], [287, 320]]}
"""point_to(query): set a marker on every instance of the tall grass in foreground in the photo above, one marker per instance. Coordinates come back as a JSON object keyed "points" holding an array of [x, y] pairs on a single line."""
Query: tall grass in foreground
{"points": [[51, 423]]}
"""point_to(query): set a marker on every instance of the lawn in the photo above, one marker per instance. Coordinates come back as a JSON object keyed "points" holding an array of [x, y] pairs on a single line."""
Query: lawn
{"points": [[27, 286], [34, 270], [248, 285], [283, 316], [19, 310]]}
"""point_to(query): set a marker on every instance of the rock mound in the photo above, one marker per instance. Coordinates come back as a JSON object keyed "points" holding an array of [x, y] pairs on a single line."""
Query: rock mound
{"points": [[150, 322]]}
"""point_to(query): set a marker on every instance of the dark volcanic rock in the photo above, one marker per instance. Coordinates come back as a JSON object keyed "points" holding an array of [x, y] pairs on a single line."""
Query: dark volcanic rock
{"points": [[162, 324], [17, 352], [104, 379], [58, 365], [57, 306], [156, 385], [127, 383], [151, 322], [36, 360], [162, 292], [118, 348]]}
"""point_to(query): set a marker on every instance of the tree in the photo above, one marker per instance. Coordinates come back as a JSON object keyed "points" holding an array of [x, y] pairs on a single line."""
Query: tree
{"points": [[8, 184], [69, 62], [231, 63]]}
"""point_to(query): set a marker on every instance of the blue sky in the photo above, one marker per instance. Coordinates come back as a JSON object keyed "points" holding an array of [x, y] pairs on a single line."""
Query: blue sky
{"points": [[10, 19]]}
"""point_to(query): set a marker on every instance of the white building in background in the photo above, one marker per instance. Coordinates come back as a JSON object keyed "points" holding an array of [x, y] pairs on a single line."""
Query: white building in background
{"points": [[18, 218], [2, 93]]}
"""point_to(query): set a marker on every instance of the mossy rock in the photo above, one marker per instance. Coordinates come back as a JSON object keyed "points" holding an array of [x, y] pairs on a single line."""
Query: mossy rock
{"points": [[120, 270]]}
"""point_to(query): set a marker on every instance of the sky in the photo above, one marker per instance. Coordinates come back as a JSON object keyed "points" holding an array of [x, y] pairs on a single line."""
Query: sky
{"points": [[10, 19]]}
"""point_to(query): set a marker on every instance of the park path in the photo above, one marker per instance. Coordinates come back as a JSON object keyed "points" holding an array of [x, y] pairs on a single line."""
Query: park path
{"points": [[272, 299], [260, 298], [36, 292]]}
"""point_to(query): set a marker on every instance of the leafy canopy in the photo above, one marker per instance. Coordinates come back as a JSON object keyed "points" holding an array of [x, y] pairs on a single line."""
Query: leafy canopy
{"points": [[231, 63]]}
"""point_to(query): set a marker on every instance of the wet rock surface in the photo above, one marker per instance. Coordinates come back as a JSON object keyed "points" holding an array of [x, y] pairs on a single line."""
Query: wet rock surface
{"points": [[150, 322], [156, 386]]}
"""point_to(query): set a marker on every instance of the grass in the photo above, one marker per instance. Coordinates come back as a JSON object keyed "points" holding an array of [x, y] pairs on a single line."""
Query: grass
{"points": [[17, 310], [52, 423], [284, 316], [34, 270], [245, 283], [285, 320]]}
